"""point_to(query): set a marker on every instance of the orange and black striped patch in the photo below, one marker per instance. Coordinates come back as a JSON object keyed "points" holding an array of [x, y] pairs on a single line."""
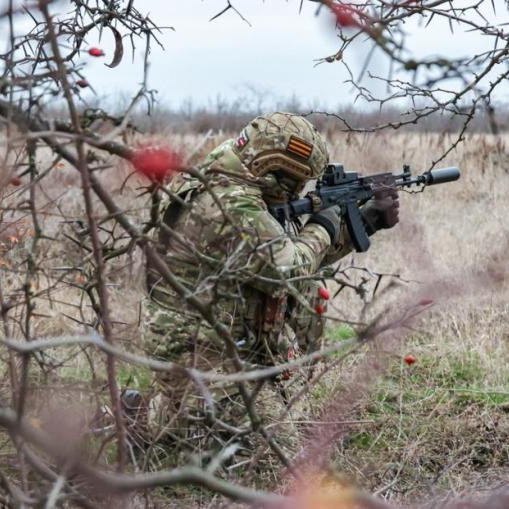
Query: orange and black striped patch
{"points": [[299, 147]]}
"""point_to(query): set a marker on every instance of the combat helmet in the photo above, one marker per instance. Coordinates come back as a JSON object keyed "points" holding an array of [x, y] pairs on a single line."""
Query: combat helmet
{"points": [[283, 143]]}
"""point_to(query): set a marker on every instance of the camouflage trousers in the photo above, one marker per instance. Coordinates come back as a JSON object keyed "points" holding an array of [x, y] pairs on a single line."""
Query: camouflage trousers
{"points": [[199, 422]]}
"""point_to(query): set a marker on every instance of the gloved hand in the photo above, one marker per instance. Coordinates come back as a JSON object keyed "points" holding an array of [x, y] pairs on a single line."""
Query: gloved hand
{"points": [[330, 219], [382, 211]]}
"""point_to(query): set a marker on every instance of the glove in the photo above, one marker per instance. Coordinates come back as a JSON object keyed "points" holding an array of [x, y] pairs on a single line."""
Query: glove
{"points": [[330, 219], [382, 211]]}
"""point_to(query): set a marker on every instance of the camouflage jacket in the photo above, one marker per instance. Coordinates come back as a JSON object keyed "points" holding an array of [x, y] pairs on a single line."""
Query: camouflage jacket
{"points": [[220, 240]]}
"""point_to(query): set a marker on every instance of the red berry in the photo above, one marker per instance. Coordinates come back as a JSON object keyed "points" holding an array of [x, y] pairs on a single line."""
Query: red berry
{"points": [[425, 302], [15, 181], [345, 15], [96, 52], [409, 359], [156, 163], [82, 83], [320, 309], [323, 293]]}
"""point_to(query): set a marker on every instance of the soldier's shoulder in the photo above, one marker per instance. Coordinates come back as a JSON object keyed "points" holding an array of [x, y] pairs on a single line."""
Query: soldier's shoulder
{"points": [[184, 181], [223, 153], [224, 159], [228, 178]]}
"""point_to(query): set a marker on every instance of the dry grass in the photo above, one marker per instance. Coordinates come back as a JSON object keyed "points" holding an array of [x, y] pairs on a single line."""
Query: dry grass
{"points": [[440, 425], [436, 426]]}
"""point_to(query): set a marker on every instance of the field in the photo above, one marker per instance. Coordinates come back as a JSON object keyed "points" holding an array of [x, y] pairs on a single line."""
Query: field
{"points": [[439, 426], [418, 433]]}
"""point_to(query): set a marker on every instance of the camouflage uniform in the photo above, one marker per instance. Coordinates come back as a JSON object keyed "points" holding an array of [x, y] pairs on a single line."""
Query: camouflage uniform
{"points": [[228, 250]]}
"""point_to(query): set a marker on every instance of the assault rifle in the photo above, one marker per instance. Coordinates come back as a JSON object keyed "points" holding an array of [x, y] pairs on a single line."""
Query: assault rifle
{"points": [[350, 190]]}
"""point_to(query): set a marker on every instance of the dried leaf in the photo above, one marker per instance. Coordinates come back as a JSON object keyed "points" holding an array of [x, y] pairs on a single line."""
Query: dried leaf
{"points": [[119, 49]]}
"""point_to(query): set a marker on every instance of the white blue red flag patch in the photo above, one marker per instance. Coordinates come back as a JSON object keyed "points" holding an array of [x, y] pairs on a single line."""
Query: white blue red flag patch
{"points": [[242, 139]]}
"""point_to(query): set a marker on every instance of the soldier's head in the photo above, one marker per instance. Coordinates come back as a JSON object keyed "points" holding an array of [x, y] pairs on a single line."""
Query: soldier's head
{"points": [[285, 148]]}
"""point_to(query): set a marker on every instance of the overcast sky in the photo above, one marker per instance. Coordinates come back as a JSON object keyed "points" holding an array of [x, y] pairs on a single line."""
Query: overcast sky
{"points": [[276, 53]]}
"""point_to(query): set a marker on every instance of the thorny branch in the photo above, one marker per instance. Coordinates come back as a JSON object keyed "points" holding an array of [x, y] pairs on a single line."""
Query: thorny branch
{"points": [[99, 241], [429, 85]]}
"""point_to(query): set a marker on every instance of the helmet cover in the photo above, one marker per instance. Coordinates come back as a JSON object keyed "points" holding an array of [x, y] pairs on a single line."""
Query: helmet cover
{"points": [[282, 142]]}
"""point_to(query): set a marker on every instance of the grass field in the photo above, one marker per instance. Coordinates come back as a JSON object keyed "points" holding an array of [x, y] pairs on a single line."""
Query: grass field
{"points": [[438, 426], [431, 429]]}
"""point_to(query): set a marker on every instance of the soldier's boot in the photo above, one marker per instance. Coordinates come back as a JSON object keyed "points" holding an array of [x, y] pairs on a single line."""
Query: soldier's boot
{"points": [[135, 412]]}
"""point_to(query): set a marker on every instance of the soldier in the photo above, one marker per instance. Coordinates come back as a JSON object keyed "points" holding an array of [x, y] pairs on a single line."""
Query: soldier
{"points": [[219, 239]]}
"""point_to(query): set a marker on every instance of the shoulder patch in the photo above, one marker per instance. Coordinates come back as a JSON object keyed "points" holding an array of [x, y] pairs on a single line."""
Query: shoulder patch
{"points": [[242, 140], [299, 147]]}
